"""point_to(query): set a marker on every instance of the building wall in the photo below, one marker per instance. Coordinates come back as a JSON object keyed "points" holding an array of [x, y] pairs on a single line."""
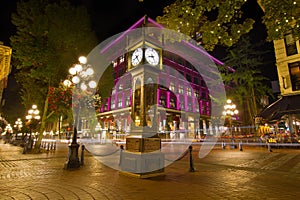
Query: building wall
{"points": [[5, 68], [282, 61]]}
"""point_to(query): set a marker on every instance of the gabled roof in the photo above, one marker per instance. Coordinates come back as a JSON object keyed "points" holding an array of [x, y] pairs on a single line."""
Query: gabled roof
{"points": [[148, 22]]}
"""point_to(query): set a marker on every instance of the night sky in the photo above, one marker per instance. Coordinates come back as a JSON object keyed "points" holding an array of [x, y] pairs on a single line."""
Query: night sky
{"points": [[109, 18]]}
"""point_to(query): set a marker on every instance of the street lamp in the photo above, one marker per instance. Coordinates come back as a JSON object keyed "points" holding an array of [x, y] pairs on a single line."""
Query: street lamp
{"points": [[81, 76], [230, 110], [32, 116], [18, 125]]}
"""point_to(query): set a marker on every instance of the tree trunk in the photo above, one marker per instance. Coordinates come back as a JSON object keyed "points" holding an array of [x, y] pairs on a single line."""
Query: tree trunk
{"points": [[43, 124]]}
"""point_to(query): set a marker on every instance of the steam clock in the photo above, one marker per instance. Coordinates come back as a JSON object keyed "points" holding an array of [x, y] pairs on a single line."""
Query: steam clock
{"points": [[142, 156]]}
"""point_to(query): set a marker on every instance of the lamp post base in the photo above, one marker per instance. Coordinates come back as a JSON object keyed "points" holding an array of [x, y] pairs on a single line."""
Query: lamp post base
{"points": [[73, 159]]}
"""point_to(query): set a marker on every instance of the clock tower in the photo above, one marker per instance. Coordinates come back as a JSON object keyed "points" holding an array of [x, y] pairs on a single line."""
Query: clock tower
{"points": [[143, 156]]}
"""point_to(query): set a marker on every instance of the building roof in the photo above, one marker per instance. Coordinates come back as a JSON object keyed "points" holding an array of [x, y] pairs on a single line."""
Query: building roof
{"points": [[285, 105], [148, 22]]}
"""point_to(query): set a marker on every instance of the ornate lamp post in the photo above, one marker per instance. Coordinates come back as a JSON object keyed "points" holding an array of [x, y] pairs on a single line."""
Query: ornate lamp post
{"points": [[32, 116], [229, 111], [18, 125], [82, 79]]}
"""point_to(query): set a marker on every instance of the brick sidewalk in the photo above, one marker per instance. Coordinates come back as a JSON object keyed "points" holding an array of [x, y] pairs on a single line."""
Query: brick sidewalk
{"points": [[253, 173]]}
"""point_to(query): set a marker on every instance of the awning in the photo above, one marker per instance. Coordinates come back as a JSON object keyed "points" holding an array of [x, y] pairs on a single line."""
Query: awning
{"points": [[284, 105]]}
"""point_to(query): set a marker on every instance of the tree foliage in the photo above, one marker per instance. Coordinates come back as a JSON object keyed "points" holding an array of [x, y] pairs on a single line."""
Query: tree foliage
{"points": [[247, 85], [50, 37], [209, 22], [215, 22], [281, 17]]}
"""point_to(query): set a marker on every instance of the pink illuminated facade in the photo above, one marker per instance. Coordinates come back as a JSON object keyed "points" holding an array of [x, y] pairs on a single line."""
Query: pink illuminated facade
{"points": [[178, 89]]}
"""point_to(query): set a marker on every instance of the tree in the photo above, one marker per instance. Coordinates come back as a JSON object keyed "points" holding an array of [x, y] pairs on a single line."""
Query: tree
{"points": [[246, 84], [215, 22], [209, 22], [50, 36]]}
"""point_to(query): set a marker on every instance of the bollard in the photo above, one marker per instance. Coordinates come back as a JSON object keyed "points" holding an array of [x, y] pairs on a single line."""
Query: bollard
{"points": [[223, 145], [48, 146], [82, 154], [191, 159], [25, 148], [269, 147], [241, 146], [54, 147], [121, 154]]}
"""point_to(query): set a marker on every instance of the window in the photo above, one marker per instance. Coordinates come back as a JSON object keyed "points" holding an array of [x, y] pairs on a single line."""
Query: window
{"points": [[196, 80], [189, 78], [180, 89], [172, 86], [189, 91], [113, 91], [190, 106], [173, 102], [112, 104], [290, 45], [120, 86], [114, 63], [122, 58], [120, 102], [127, 101], [162, 100], [203, 95], [294, 69], [196, 93], [182, 103]]}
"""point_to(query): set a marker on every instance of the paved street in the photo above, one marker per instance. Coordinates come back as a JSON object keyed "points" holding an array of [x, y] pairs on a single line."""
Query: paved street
{"points": [[254, 173]]}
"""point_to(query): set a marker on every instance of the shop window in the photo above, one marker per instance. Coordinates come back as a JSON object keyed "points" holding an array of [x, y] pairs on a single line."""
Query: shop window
{"points": [[294, 69], [173, 102], [162, 100], [290, 45]]}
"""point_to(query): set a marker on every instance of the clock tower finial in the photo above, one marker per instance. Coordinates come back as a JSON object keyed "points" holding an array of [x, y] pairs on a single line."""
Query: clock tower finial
{"points": [[145, 20]]}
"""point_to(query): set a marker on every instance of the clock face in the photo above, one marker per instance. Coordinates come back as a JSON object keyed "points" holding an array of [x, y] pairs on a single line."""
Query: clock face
{"points": [[137, 56], [151, 56]]}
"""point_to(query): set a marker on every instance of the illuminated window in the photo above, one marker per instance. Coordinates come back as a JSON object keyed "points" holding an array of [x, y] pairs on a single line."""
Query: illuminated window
{"points": [[189, 91], [180, 89], [162, 100], [172, 86], [120, 102], [294, 69], [127, 101], [114, 63], [112, 104], [173, 102], [122, 58]]}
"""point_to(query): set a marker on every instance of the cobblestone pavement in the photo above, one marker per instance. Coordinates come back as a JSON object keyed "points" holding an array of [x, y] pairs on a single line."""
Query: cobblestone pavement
{"points": [[254, 173]]}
